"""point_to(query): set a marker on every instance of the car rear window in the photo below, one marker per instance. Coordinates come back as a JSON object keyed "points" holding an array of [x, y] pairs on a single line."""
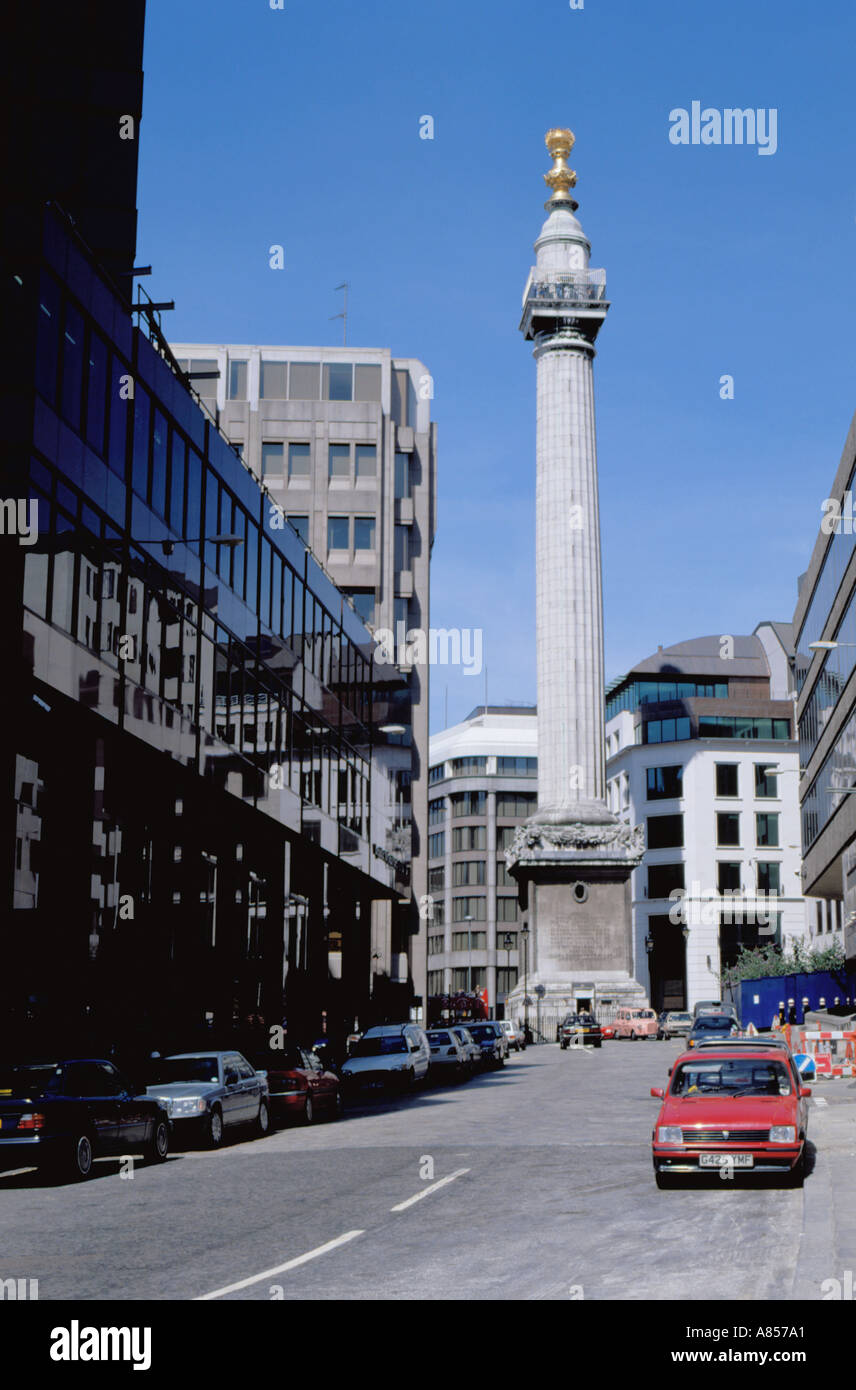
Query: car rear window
{"points": [[710, 1021], [749, 1076], [379, 1047], [35, 1080]]}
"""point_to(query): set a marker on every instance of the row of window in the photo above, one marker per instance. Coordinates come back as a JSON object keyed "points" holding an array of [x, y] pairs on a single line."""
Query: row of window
{"points": [[713, 726], [475, 766], [664, 879], [657, 692], [835, 562], [667, 832], [665, 782], [471, 979], [295, 381], [474, 940], [467, 873], [345, 462]]}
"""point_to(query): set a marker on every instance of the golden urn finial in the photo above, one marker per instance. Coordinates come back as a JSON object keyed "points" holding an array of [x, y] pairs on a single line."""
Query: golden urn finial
{"points": [[560, 178]]}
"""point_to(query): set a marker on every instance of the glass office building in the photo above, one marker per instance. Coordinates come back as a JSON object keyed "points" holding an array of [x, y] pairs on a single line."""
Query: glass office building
{"points": [[195, 838]]}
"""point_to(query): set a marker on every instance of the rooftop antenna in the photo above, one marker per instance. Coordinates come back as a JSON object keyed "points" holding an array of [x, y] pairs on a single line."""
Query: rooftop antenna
{"points": [[345, 285]]}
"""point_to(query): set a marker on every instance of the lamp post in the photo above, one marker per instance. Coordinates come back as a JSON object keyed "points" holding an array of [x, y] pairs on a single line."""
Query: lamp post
{"points": [[685, 933], [526, 982], [468, 919]]}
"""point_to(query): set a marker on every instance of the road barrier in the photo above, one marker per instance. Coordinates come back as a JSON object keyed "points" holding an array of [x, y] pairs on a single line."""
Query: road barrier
{"points": [[833, 1053]]}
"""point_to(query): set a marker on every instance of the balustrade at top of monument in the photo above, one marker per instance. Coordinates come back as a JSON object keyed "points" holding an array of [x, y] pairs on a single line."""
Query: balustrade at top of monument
{"points": [[576, 286]]}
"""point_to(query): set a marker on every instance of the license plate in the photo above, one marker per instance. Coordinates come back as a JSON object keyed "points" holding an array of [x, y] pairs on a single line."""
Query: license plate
{"points": [[726, 1161]]}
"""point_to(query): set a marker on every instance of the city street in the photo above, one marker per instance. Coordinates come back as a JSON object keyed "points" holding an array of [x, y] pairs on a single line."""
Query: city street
{"points": [[550, 1195]]}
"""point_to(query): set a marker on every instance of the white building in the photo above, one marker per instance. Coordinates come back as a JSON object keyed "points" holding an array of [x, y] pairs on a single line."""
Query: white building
{"points": [[701, 750]]}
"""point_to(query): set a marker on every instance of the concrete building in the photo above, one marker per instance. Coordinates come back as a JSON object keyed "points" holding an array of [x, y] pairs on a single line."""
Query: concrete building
{"points": [[825, 628], [343, 442], [701, 751], [483, 781]]}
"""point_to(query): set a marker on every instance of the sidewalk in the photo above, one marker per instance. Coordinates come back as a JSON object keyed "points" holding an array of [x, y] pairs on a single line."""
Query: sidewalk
{"points": [[828, 1240]]}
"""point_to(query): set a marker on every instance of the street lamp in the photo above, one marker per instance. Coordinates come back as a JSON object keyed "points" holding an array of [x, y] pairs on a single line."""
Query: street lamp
{"points": [[526, 982], [507, 943], [468, 919]]}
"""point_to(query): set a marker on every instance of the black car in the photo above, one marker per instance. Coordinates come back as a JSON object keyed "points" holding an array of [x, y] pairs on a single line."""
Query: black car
{"points": [[580, 1030], [60, 1116], [712, 1026], [489, 1038]]}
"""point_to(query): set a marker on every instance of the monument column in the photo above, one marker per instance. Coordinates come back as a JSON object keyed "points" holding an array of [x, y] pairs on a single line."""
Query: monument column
{"points": [[573, 858]]}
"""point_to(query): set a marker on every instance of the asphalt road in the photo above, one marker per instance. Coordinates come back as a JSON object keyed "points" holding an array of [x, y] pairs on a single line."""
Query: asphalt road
{"points": [[549, 1194]]}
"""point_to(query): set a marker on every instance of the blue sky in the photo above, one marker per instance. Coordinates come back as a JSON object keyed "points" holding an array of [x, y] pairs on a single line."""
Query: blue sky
{"points": [[301, 127]]}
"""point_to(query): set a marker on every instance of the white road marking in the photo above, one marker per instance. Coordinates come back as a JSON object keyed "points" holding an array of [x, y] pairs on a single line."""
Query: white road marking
{"points": [[426, 1191], [281, 1269], [821, 1101]]}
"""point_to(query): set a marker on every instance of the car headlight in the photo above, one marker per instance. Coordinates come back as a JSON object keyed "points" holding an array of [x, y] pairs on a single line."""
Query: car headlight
{"points": [[189, 1105], [670, 1134], [783, 1134]]}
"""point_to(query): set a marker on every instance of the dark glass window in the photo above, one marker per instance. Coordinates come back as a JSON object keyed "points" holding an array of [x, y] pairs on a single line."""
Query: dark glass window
{"points": [[727, 828], [663, 782], [726, 779], [402, 475], [264, 595], [300, 525], [72, 366], [299, 461], [768, 877], [766, 781], [237, 381], [364, 533], [366, 460], [767, 829], [364, 602], [96, 392], [193, 522], [252, 566], [118, 418], [728, 877], [159, 455], [665, 832], [337, 532], [142, 411], [339, 461], [176, 482], [272, 382], [663, 879], [338, 381], [47, 343]]}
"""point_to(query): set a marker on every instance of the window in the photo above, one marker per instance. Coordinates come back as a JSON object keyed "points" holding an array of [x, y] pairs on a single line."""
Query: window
{"points": [[96, 392], [506, 909], [401, 559], [503, 877], [272, 381], [436, 944], [663, 782], [304, 380], [364, 602], [665, 730], [366, 460], [469, 941], [469, 803], [437, 772], [364, 533], [437, 845], [367, 383], [72, 367], [517, 767], [665, 832], [237, 381], [767, 829], [158, 474], [298, 461], [520, 804], [339, 461], [436, 880], [273, 460], [726, 779], [768, 880], [118, 419], [337, 533], [466, 837], [504, 835], [436, 811], [462, 767], [506, 979], [338, 381], [47, 348], [435, 982], [766, 781], [300, 525], [727, 828], [469, 907], [727, 876], [663, 879], [402, 476], [738, 726], [141, 442], [467, 873]]}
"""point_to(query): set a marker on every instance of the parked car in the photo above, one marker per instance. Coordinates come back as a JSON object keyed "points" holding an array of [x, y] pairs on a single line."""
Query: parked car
{"points": [[60, 1116], [450, 1060], [735, 1108], [578, 1030], [777, 1043], [713, 1006], [491, 1040], [712, 1027], [299, 1085], [513, 1033], [206, 1093], [471, 1048], [635, 1023], [676, 1024], [607, 1031], [391, 1055]]}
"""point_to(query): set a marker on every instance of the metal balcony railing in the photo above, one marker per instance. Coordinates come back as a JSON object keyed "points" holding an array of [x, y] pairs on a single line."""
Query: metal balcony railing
{"points": [[565, 286]]}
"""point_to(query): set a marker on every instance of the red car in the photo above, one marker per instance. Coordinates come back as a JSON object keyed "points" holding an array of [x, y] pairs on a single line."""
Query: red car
{"points": [[299, 1086], [731, 1110], [607, 1030]]}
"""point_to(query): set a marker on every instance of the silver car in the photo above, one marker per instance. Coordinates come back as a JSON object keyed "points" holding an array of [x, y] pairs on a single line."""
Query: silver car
{"points": [[206, 1093], [390, 1056], [450, 1060], [471, 1048]]}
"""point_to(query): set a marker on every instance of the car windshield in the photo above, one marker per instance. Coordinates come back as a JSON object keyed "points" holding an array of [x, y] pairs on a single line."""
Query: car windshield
{"points": [[679, 1018], [36, 1080], [482, 1033], [277, 1059], [747, 1076], [380, 1047], [177, 1069], [439, 1038], [712, 1021]]}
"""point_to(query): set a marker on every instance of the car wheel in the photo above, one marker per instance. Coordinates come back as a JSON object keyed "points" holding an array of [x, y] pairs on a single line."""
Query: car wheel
{"points": [[214, 1129], [632, 1036], [796, 1177], [308, 1110], [79, 1166], [337, 1110], [598, 1042], [665, 1180], [263, 1120], [158, 1150]]}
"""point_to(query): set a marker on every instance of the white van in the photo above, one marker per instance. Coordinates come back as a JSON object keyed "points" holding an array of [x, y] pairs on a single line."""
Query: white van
{"points": [[390, 1055]]}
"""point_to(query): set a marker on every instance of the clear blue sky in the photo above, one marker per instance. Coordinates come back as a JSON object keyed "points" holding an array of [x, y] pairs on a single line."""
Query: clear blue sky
{"points": [[301, 127]]}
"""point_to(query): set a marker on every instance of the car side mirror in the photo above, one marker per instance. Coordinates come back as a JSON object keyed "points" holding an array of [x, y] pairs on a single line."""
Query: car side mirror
{"points": [[658, 1092], [805, 1092]]}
